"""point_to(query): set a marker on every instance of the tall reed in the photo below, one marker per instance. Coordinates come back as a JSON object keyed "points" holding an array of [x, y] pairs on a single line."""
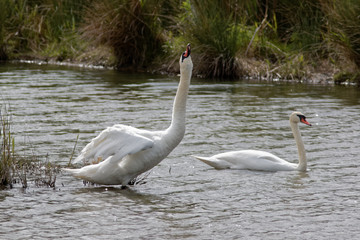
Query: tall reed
{"points": [[218, 33], [29, 26], [299, 23], [132, 28], [6, 148], [342, 32], [288, 37]]}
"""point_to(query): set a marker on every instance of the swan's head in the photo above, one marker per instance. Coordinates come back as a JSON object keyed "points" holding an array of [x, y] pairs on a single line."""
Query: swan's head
{"points": [[297, 117], [186, 64]]}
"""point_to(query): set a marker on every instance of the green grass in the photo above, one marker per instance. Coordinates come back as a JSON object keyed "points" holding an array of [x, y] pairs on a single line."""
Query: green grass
{"points": [[133, 29], [28, 27], [342, 32], [217, 34], [230, 38]]}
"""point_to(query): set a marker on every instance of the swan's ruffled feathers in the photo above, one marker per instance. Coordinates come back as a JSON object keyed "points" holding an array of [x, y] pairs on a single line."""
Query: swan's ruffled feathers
{"points": [[118, 141]]}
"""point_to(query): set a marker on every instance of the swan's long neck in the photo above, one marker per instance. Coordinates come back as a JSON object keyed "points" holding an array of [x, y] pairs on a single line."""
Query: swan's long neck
{"points": [[176, 130], [300, 145]]}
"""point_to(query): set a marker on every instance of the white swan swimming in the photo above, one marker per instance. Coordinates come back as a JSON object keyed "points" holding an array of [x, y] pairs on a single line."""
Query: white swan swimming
{"points": [[120, 153], [260, 160]]}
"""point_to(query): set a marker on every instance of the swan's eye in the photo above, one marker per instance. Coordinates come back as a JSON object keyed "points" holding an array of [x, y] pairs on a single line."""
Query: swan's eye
{"points": [[303, 119]]}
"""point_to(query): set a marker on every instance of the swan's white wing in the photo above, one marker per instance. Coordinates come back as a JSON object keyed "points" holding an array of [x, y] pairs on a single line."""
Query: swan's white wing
{"points": [[118, 140], [265, 161], [248, 159], [214, 162]]}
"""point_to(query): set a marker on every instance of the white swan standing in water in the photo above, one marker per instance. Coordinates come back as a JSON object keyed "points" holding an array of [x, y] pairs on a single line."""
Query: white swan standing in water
{"points": [[120, 153], [260, 160]]}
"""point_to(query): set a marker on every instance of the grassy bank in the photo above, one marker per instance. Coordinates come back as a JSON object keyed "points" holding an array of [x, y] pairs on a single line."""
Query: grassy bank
{"points": [[231, 39]]}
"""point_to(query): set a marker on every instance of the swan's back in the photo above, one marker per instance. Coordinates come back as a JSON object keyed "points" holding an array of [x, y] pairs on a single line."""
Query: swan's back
{"points": [[248, 159]]}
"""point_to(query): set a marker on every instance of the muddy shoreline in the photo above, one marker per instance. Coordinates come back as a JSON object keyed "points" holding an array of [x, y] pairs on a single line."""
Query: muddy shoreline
{"points": [[316, 78]]}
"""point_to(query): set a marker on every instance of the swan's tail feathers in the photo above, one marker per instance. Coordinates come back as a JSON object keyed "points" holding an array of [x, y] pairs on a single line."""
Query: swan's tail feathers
{"points": [[215, 163], [73, 172], [78, 173]]}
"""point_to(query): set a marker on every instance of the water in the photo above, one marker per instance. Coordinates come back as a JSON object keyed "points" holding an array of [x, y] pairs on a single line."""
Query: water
{"points": [[184, 198]]}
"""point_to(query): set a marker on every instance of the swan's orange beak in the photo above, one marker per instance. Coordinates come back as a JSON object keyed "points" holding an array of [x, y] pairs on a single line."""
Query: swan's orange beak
{"points": [[303, 120], [186, 53]]}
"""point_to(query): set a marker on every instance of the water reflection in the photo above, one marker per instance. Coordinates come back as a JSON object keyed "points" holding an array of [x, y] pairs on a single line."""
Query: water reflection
{"points": [[117, 195], [298, 181]]}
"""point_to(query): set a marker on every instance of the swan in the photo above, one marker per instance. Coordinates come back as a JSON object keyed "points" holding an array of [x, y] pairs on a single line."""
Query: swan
{"points": [[120, 153], [261, 160]]}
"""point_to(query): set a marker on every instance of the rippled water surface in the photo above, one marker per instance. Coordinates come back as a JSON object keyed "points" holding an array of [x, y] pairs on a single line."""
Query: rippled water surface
{"points": [[182, 197]]}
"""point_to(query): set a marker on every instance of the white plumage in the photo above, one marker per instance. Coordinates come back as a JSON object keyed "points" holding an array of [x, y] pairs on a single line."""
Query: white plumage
{"points": [[120, 153], [261, 160], [248, 159]]}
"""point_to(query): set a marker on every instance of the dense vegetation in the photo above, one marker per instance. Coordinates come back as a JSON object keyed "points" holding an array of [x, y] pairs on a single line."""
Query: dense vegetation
{"points": [[288, 39]]}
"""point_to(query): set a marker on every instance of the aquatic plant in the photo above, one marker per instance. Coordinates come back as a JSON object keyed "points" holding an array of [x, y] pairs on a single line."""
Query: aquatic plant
{"points": [[6, 149], [15, 168]]}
